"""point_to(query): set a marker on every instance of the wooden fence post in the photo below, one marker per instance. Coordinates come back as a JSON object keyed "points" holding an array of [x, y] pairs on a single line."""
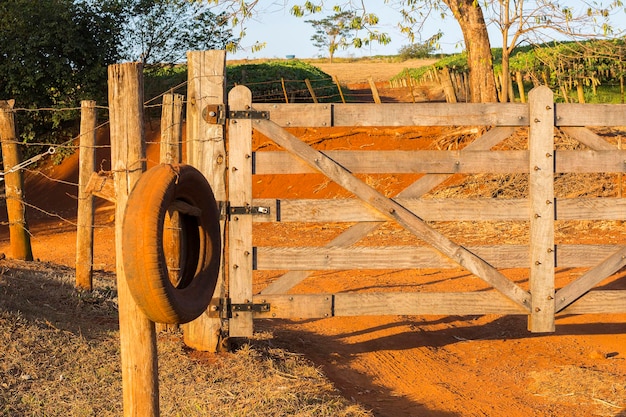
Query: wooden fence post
{"points": [[206, 151], [311, 91], [520, 86], [542, 213], [448, 88], [172, 128], [240, 230], [14, 185], [343, 99], [140, 382], [171, 153], [375, 94], [84, 215]]}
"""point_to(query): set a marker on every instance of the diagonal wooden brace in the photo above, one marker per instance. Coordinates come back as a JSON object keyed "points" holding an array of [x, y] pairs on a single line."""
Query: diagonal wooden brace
{"points": [[394, 211]]}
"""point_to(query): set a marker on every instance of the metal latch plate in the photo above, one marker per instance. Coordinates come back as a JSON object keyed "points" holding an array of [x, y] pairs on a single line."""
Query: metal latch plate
{"points": [[256, 308], [249, 210]]}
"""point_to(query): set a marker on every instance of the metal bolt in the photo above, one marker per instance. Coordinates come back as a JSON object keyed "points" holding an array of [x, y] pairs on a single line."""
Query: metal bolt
{"points": [[537, 120], [537, 309], [212, 114]]}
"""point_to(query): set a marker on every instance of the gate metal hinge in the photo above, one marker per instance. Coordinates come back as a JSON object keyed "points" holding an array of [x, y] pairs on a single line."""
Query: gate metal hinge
{"points": [[219, 113], [247, 209]]}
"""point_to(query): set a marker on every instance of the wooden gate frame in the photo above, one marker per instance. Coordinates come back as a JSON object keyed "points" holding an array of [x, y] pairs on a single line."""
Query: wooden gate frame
{"points": [[541, 115]]}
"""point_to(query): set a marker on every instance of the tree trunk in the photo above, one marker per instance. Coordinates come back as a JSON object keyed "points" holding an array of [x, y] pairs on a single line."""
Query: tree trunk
{"points": [[469, 15]]}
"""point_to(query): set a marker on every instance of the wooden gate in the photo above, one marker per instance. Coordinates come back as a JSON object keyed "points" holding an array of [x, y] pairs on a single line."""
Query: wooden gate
{"points": [[369, 208]]}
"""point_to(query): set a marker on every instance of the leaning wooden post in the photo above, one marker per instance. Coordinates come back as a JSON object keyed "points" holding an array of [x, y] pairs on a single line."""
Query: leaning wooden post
{"points": [[84, 215], [343, 99], [374, 89], [206, 151], [171, 153], [138, 348], [311, 90], [542, 213], [14, 185]]}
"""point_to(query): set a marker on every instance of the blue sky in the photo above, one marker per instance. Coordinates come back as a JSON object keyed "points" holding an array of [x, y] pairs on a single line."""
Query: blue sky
{"points": [[285, 34]]}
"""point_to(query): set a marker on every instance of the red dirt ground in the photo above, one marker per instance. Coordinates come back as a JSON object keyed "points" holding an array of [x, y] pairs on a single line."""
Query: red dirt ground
{"points": [[410, 365]]}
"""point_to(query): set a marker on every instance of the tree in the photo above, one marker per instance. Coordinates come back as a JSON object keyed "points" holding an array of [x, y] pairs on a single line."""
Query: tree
{"points": [[54, 54], [161, 31], [334, 32]]}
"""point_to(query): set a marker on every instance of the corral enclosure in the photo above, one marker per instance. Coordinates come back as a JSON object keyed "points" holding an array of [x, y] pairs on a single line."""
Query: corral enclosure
{"points": [[471, 191]]}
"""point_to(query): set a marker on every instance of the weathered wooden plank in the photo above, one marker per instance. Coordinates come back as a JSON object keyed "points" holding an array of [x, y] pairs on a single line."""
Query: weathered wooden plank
{"points": [[206, 151], [588, 138], [395, 211], [443, 162], [575, 114], [354, 210], [590, 161], [386, 304], [431, 114], [474, 209], [138, 347], [575, 289], [541, 187], [397, 114], [591, 209], [382, 162], [298, 114], [380, 304], [598, 302], [412, 257], [240, 226], [420, 187], [302, 306]]}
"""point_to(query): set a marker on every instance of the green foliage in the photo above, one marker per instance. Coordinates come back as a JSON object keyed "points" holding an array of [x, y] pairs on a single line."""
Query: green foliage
{"points": [[264, 80], [598, 64], [161, 31], [54, 54]]}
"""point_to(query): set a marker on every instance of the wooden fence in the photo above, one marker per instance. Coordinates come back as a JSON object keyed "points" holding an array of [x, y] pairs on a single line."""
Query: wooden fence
{"points": [[541, 162], [235, 304]]}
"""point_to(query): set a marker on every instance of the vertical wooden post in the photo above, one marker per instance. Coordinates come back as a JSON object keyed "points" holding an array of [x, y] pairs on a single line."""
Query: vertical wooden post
{"points": [[448, 88], [14, 185], [375, 94], [171, 129], [84, 215], [542, 214], [140, 383], [207, 152], [520, 86], [240, 226], [171, 153], [580, 91]]}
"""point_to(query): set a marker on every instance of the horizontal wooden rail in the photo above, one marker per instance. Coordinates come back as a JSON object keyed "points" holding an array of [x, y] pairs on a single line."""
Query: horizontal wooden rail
{"points": [[412, 257], [474, 209], [423, 303], [442, 162], [437, 114]]}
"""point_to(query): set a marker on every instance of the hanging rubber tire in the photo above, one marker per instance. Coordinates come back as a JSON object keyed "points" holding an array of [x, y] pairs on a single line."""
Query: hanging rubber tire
{"points": [[182, 189]]}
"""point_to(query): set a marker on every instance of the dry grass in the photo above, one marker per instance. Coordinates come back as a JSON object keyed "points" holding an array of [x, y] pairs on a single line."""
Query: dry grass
{"points": [[60, 357]]}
